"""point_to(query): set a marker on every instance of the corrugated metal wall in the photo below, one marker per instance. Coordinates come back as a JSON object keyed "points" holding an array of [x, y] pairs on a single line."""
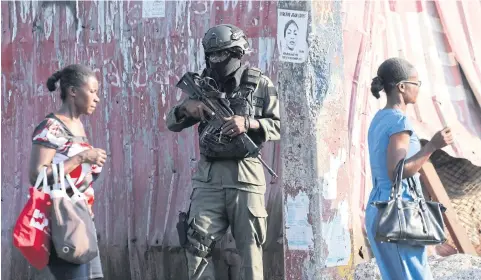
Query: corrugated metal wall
{"points": [[138, 61], [377, 30]]}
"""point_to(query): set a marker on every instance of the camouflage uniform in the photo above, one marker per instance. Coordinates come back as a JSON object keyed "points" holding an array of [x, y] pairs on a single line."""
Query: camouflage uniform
{"points": [[230, 192]]}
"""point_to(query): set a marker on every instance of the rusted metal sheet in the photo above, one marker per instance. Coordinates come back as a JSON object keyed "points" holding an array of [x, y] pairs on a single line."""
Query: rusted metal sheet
{"points": [[376, 30], [138, 59]]}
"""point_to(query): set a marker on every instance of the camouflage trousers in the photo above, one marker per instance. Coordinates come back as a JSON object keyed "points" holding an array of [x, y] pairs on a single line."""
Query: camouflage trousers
{"points": [[212, 211]]}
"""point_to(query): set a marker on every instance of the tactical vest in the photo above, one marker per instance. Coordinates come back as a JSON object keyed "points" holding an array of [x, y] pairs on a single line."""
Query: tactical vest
{"points": [[215, 146]]}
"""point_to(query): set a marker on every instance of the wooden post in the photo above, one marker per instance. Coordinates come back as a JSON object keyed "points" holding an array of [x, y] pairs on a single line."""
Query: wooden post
{"points": [[436, 189]]}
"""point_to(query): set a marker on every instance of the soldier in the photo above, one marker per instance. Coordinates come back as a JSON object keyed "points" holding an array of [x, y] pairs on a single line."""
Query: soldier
{"points": [[228, 189]]}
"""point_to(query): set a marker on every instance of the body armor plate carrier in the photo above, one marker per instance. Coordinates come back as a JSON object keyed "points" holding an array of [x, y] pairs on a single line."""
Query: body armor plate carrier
{"points": [[214, 145]]}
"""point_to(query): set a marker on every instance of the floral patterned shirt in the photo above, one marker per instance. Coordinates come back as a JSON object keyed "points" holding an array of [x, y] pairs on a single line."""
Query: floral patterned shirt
{"points": [[53, 133]]}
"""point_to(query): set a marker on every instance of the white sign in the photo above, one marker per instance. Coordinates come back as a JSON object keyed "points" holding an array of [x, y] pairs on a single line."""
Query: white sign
{"points": [[292, 35], [153, 9], [298, 229]]}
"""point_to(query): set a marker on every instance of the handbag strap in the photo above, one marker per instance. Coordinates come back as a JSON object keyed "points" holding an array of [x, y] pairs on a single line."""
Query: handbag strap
{"points": [[422, 204], [412, 185], [55, 185], [59, 178], [46, 187], [42, 178], [397, 184], [62, 176], [418, 192], [76, 193], [396, 189]]}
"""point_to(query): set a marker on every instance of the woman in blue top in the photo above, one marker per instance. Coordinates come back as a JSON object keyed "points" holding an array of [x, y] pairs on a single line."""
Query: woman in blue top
{"points": [[390, 139]]}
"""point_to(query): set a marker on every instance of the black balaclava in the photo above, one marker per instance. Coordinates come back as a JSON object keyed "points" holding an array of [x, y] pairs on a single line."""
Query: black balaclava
{"points": [[223, 63]]}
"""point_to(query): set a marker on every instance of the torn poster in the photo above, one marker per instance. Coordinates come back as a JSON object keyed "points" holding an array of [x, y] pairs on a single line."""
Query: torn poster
{"points": [[298, 229], [337, 236]]}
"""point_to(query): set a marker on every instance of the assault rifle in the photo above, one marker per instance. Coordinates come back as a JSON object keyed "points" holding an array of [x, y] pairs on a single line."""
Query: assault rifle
{"points": [[201, 89]]}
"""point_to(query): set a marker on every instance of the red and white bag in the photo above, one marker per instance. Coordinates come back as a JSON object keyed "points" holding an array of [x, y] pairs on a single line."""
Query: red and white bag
{"points": [[31, 234]]}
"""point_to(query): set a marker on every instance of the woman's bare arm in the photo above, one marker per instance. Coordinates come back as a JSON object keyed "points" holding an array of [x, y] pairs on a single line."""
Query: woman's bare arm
{"points": [[42, 156], [399, 145], [398, 149]]}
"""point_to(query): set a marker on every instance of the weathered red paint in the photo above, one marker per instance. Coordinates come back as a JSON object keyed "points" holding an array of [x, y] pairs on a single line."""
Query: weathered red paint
{"points": [[138, 61], [146, 181]]}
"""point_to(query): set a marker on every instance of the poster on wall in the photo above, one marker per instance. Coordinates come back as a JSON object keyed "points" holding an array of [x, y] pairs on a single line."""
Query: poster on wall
{"points": [[298, 229], [153, 9], [292, 35]]}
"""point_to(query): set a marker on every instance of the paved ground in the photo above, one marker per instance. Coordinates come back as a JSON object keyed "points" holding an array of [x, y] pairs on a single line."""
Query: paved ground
{"points": [[454, 267]]}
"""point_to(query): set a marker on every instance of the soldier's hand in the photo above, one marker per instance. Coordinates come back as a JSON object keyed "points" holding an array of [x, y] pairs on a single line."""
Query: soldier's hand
{"points": [[195, 109], [234, 126]]}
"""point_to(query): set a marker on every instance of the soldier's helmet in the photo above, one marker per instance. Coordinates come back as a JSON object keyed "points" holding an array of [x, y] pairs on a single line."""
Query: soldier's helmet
{"points": [[224, 36]]}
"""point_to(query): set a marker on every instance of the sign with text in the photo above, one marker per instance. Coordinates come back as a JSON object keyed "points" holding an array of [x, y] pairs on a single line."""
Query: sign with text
{"points": [[292, 35]]}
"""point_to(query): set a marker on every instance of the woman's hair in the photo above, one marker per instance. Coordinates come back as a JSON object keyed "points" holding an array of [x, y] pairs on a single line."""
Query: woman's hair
{"points": [[74, 75], [287, 25], [390, 72]]}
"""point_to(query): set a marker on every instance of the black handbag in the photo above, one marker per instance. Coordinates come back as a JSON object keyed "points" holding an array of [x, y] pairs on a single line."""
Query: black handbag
{"points": [[417, 223]]}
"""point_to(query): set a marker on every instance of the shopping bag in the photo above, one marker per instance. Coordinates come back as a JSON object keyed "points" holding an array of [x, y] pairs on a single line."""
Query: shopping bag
{"points": [[31, 233], [73, 231]]}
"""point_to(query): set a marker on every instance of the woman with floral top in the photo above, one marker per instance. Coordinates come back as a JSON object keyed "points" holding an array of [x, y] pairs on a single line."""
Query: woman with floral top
{"points": [[61, 137]]}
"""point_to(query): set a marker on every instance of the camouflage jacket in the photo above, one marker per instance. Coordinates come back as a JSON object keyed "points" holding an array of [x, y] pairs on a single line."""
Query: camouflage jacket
{"points": [[248, 172]]}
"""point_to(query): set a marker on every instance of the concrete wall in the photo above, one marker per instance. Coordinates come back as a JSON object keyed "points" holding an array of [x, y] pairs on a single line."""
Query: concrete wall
{"points": [[315, 180]]}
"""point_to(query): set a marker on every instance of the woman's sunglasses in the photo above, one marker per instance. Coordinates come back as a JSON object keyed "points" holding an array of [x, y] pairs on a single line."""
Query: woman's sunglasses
{"points": [[418, 83]]}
